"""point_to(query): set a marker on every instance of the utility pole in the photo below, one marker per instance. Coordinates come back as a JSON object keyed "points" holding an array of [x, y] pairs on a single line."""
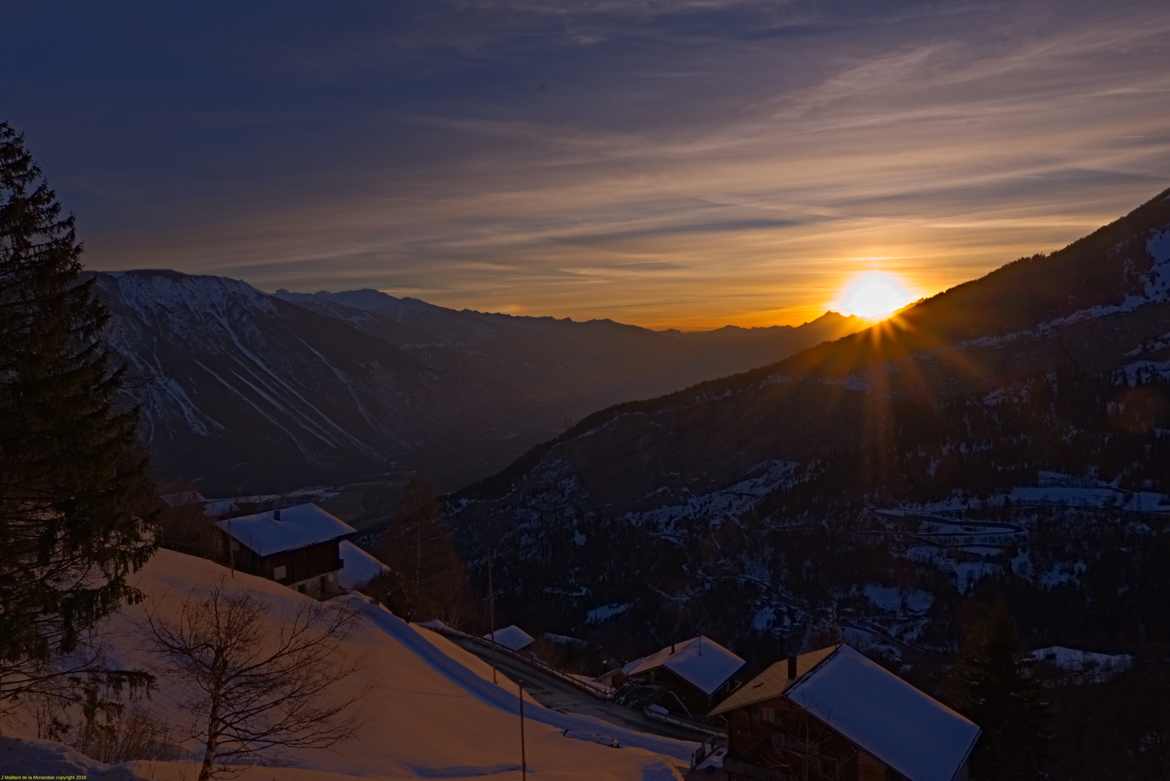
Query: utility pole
{"points": [[492, 612], [418, 557], [523, 750], [232, 546], [807, 747]]}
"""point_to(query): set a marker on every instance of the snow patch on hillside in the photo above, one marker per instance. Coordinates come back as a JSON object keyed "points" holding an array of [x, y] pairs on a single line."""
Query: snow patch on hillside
{"points": [[603, 613], [1104, 497], [147, 292], [1140, 372], [1155, 288], [1088, 666], [729, 502], [895, 600], [46, 759]]}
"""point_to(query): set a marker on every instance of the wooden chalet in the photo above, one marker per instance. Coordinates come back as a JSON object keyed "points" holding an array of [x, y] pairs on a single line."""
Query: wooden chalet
{"points": [[832, 715], [697, 672], [297, 546]]}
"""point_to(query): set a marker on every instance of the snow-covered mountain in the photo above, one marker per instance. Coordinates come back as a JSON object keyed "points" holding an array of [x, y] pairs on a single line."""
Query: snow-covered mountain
{"points": [[876, 481], [248, 391], [237, 386]]}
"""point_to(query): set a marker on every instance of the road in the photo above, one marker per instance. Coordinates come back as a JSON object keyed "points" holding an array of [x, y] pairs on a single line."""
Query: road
{"points": [[554, 693]]}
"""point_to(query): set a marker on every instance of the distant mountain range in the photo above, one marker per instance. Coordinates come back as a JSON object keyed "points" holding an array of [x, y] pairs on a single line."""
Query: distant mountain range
{"points": [[1011, 433], [243, 391]]}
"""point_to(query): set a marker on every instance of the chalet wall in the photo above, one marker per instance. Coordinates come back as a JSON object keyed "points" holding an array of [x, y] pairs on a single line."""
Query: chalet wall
{"points": [[303, 563], [870, 768], [697, 702], [300, 564], [776, 739]]}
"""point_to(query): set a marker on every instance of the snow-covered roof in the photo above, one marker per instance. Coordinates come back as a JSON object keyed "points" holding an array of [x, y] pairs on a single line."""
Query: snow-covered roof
{"points": [[773, 681], [905, 728], [183, 498], [288, 528], [512, 637], [357, 566], [700, 661]]}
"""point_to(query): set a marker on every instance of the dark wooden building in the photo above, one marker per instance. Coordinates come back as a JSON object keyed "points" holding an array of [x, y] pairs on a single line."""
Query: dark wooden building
{"points": [[835, 715], [694, 674], [511, 637], [297, 546]]}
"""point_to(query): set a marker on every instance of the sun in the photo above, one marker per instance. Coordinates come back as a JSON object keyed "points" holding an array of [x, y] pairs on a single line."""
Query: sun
{"points": [[874, 295]]}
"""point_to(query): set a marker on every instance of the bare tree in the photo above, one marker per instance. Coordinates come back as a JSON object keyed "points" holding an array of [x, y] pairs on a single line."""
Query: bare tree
{"points": [[256, 693]]}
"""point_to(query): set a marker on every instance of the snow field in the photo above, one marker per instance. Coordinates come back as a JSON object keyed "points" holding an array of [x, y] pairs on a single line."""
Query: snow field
{"points": [[425, 711]]}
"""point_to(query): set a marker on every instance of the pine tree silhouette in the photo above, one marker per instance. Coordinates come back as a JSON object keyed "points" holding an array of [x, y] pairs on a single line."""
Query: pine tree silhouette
{"points": [[1002, 698], [73, 483]]}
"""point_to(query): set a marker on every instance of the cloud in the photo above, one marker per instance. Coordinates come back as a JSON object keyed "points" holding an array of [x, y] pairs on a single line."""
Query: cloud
{"points": [[682, 163]]}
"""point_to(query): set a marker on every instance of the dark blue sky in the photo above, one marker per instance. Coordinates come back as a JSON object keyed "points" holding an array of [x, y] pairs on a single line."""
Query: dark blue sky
{"points": [[670, 163]]}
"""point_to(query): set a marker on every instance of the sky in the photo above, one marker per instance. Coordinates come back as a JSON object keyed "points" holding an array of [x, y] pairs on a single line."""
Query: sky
{"points": [[683, 164]]}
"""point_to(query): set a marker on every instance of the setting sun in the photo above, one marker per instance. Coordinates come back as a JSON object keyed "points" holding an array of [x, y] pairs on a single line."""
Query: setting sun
{"points": [[873, 295]]}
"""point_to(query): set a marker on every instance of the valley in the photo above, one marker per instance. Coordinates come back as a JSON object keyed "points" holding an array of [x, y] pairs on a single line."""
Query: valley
{"points": [[241, 391], [1007, 436]]}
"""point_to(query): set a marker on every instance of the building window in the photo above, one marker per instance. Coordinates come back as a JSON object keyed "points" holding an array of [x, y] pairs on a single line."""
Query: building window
{"points": [[768, 715], [279, 573]]}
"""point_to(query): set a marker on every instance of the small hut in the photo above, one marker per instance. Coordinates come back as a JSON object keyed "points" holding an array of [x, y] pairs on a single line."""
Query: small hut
{"points": [[297, 546], [696, 671]]}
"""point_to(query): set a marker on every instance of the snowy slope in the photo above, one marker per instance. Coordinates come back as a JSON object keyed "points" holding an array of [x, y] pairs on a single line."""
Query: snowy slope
{"points": [[424, 713], [1085, 666], [25, 758], [357, 566]]}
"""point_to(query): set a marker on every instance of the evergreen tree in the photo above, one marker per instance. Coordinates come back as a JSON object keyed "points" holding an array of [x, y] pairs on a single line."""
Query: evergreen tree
{"points": [[1000, 696], [427, 577], [73, 484]]}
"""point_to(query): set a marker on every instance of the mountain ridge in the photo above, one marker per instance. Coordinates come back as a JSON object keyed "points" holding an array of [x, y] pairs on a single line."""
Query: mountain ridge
{"points": [[373, 300], [750, 488], [244, 390], [879, 336]]}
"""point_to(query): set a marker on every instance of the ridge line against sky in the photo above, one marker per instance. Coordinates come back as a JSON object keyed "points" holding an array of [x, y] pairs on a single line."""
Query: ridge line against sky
{"points": [[670, 164]]}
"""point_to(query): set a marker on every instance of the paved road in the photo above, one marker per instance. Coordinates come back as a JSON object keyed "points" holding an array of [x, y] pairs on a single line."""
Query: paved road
{"points": [[554, 693]]}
